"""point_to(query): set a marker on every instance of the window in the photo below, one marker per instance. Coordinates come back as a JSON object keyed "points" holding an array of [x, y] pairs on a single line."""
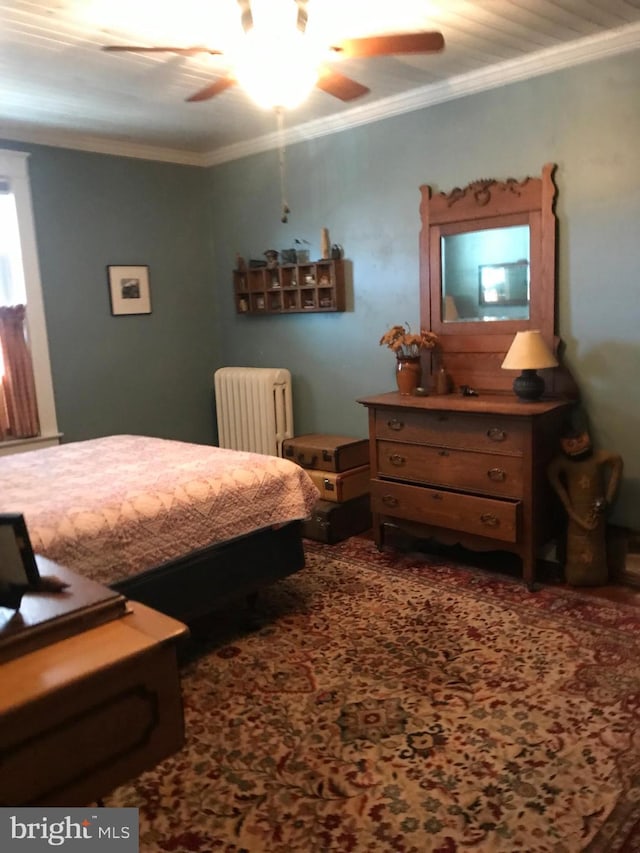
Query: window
{"points": [[20, 283], [507, 284], [12, 290]]}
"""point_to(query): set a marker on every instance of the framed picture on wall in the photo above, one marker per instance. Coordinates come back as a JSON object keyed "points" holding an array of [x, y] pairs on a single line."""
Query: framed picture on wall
{"points": [[129, 290]]}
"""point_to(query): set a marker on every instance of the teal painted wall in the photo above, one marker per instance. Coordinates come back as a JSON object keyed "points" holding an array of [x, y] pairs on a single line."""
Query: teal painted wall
{"points": [[153, 374], [149, 374], [363, 185]]}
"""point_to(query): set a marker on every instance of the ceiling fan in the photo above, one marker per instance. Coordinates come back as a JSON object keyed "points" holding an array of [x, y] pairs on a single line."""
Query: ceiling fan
{"points": [[298, 63]]}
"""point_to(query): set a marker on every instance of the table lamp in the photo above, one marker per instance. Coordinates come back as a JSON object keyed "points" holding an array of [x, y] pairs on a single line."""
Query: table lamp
{"points": [[528, 353]]}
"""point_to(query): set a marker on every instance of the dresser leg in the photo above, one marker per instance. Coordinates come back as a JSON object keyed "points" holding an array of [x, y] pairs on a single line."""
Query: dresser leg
{"points": [[378, 534], [529, 571]]}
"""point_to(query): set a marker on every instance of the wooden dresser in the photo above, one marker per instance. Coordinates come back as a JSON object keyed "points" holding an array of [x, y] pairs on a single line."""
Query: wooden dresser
{"points": [[468, 470]]}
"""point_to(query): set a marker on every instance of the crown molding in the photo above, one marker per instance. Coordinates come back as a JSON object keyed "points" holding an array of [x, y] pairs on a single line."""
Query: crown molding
{"points": [[588, 49], [613, 42], [98, 144]]}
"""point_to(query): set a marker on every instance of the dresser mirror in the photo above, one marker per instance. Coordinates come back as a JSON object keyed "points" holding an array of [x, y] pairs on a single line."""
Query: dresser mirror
{"points": [[487, 271], [485, 275]]}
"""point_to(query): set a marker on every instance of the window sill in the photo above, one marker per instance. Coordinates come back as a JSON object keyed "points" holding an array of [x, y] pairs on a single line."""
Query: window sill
{"points": [[19, 445]]}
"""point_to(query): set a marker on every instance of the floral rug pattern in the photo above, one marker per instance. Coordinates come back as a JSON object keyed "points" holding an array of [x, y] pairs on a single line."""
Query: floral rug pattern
{"points": [[400, 703]]}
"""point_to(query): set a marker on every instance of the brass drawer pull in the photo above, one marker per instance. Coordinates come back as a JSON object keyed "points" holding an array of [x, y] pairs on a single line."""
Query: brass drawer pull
{"points": [[395, 424], [489, 519], [443, 453], [498, 475], [389, 500], [496, 434], [396, 459]]}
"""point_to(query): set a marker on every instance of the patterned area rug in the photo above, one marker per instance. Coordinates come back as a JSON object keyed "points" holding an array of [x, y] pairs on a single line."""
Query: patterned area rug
{"points": [[401, 703]]}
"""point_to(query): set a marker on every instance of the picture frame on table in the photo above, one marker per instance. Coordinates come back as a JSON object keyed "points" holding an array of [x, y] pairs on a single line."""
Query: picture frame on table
{"points": [[17, 561], [129, 289]]}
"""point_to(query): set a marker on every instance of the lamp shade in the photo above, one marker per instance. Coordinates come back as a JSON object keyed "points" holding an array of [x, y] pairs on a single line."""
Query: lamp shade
{"points": [[529, 351]]}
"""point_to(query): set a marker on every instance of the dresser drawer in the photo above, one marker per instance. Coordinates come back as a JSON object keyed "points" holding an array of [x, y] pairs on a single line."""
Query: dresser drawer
{"points": [[492, 433], [455, 469], [496, 519]]}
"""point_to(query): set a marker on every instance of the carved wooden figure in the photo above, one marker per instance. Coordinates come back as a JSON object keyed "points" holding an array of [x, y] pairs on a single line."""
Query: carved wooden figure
{"points": [[586, 483]]}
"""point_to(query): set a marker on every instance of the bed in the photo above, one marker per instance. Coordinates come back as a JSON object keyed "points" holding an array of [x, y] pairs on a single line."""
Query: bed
{"points": [[181, 527]]}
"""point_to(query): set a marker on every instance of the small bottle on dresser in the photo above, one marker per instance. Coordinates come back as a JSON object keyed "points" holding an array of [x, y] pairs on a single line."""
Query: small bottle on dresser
{"points": [[441, 384]]}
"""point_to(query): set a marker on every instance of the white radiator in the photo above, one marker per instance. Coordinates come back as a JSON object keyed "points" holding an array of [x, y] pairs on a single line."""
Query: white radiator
{"points": [[253, 408]]}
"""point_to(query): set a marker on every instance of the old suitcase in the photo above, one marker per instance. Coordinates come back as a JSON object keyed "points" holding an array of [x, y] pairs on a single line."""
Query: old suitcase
{"points": [[343, 485], [331, 522], [326, 452]]}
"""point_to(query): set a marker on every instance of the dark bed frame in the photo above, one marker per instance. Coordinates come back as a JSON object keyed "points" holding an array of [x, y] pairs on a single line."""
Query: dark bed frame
{"points": [[204, 581]]}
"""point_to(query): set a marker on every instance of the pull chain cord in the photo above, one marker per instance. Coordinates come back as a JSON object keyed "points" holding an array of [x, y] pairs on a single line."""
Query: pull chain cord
{"points": [[286, 210]]}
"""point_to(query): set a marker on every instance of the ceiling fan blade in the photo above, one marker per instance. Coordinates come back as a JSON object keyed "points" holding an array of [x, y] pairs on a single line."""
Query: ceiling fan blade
{"points": [[213, 89], [339, 86], [387, 45], [184, 51]]}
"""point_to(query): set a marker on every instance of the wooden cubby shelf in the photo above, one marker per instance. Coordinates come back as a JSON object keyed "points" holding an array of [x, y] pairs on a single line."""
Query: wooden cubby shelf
{"points": [[290, 289]]}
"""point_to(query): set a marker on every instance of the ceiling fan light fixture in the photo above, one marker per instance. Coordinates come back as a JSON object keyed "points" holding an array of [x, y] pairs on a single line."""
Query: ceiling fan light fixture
{"points": [[276, 71], [278, 59]]}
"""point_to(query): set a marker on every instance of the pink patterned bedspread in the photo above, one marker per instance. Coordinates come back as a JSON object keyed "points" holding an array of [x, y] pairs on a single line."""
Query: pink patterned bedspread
{"points": [[112, 507]]}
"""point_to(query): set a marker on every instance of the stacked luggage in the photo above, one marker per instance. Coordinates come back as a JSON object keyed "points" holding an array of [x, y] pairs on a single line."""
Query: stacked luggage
{"points": [[339, 467]]}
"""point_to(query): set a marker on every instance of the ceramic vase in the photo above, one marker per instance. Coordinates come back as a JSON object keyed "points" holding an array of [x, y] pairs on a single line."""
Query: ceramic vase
{"points": [[408, 374]]}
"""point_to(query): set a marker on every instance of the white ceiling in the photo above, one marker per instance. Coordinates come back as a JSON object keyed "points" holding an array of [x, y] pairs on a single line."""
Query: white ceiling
{"points": [[58, 87]]}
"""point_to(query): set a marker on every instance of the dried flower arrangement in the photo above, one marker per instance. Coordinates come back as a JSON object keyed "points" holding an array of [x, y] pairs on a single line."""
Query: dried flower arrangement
{"points": [[405, 344]]}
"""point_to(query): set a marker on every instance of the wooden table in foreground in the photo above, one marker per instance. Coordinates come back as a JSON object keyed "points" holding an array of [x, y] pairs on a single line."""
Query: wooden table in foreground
{"points": [[87, 713]]}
